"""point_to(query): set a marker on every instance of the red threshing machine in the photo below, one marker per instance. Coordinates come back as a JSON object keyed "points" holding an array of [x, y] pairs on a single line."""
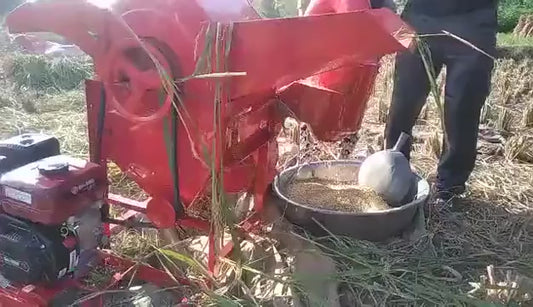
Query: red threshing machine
{"points": [[220, 57]]}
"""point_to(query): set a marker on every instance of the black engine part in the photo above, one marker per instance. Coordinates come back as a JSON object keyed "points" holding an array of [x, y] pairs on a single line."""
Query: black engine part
{"points": [[31, 253], [26, 148]]}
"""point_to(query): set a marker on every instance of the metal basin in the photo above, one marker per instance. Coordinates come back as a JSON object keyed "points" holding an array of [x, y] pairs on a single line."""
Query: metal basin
{"points": [[372, 226]]}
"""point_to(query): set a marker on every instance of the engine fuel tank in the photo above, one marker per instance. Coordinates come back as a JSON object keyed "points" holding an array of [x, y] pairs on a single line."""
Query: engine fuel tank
{"points": [[51, 190]]}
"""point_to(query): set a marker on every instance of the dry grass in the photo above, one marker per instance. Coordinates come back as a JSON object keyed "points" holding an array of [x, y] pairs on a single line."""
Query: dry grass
{"points": [[487, 114], [99, 277], [527, 118], [135, 244], [60, 114], [519, 148], [505, 120], [41, 73], [433, 145], [122, 184], [385, 90], [512, 90]]}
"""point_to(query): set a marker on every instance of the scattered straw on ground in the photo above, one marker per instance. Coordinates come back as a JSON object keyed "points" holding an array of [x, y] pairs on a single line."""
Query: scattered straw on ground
{"points": [[491, 225]]}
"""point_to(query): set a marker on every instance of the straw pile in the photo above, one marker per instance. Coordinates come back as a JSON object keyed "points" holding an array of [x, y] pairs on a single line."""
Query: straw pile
{"points": [[520, 148], [524, 27], [37, 72]]}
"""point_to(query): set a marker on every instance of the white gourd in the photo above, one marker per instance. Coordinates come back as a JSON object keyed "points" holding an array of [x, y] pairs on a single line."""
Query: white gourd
{"points": [[388, 173]]}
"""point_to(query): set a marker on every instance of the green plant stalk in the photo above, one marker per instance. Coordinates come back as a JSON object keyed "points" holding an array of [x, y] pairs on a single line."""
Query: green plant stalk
{"points": [[425, 54], [216, 214], [222, 52], [228, 213]]}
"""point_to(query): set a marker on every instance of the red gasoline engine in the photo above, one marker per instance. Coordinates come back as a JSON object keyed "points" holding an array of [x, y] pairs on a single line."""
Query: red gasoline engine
{"points": [[51, 210], [179, 84]]}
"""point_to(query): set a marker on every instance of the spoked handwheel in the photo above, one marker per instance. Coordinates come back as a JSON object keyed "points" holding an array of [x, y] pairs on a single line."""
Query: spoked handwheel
{"points": [[131, 71]]}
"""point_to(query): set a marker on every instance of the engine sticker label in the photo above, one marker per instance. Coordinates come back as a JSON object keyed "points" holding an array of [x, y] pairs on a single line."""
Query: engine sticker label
{"points": [[62, 273], [28, 288], [17, 195], [73, 261], [84, 187], [4, 283], [6, 260]]}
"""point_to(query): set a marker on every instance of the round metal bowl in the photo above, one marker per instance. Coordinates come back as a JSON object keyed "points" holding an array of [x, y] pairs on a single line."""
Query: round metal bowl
{"points": [[372, 226]]}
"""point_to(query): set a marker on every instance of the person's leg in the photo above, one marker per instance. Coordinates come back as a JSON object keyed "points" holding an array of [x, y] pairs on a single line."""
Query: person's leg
{"points": [[467, 87], [411, 88]]}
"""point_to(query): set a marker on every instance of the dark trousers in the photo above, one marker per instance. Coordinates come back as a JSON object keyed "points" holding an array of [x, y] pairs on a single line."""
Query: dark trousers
{"points": [[467, 87]]}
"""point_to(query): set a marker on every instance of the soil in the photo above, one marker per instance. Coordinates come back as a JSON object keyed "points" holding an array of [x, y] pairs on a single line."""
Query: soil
{"points": [[333, 195]]}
